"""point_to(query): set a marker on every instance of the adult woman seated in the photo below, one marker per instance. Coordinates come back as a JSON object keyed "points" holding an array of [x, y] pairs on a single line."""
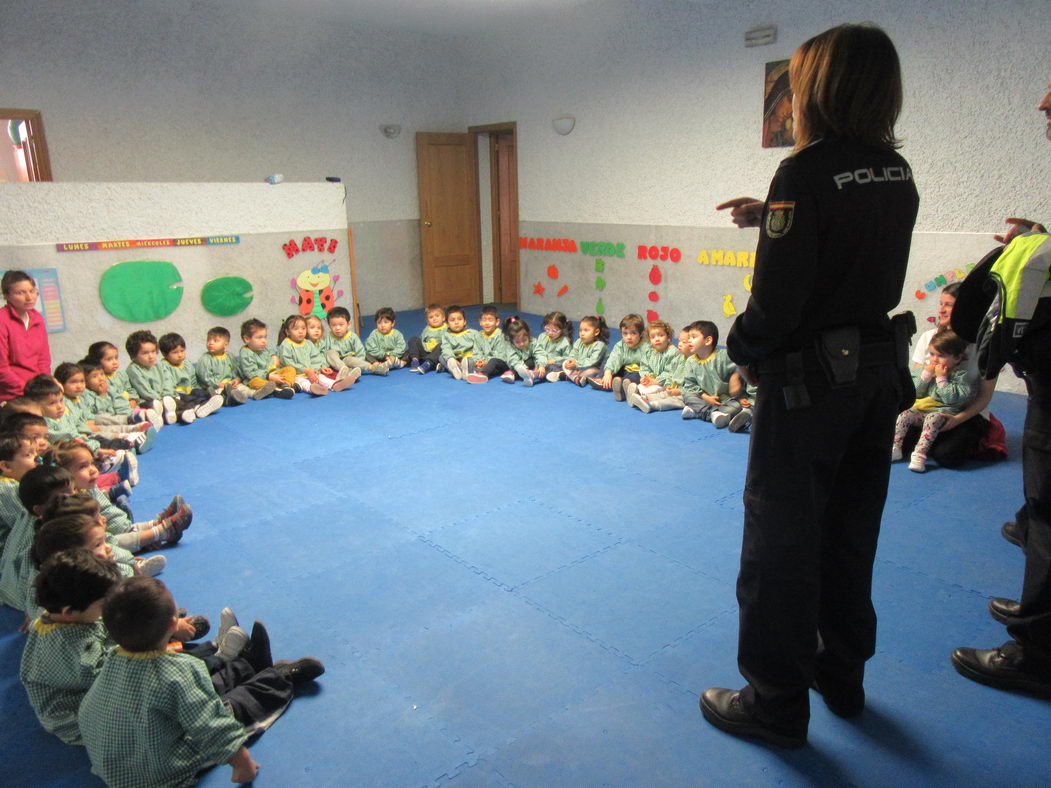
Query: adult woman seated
{"points": [[24, 351], [969, 433]]}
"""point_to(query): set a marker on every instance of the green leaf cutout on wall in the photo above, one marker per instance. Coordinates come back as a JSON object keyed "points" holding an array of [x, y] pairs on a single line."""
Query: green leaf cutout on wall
{"points": [[227, 295], [141, 291]]}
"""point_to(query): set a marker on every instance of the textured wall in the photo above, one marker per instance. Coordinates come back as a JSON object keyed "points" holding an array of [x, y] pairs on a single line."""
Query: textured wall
{"points": [[387, 255], [668, 104]]}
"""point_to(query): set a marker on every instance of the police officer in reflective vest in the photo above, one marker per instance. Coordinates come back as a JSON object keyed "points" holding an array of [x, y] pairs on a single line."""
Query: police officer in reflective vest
{"points": [[1006, 303], [830, 264]]}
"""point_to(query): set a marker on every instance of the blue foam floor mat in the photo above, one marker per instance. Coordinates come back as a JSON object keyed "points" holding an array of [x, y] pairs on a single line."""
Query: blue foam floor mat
{"points": [[530, 587]]}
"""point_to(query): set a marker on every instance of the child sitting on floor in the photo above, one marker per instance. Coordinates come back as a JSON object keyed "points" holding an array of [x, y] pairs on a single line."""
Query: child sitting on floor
{"points": [[623, 362], [518, 345], [425, 351], [457, 343], [487, 351], [343, 348], [217, 374], [662, 371], [942, 389], [706, 380], [74, 386], [553, 346], [313, 375], [67, 643], [151, 384], [258, 364], [386, 344], [17, 456], [111, 412], [142, 682], [588, 353], [316, 334], [181, 376], [105, 354]]}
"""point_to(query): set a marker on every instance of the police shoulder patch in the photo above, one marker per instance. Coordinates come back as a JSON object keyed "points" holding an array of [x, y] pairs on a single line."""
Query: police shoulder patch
{"points": [[779, 218]]}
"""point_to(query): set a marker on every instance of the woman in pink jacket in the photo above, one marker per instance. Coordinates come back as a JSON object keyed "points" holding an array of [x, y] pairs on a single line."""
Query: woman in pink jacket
{"points": [[24, 351]]}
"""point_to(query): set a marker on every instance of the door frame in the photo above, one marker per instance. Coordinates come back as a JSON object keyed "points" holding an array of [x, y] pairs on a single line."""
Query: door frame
{"points": [[494, 129], [37, 159]]}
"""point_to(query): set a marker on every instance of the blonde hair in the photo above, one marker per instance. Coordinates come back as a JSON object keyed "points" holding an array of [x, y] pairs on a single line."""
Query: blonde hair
{"points": [[847, 83]]}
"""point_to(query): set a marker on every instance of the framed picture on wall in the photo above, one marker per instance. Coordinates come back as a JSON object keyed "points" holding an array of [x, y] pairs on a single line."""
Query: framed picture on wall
{"points": [[777, 106]]}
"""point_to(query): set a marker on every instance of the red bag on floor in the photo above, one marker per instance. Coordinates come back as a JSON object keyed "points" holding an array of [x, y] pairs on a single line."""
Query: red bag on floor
{"points": [[993, 445]]}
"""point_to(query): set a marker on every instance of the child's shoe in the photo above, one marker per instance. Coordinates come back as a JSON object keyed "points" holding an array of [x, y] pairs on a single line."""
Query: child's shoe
{"points": [[258, 651], [231, 643], [415, 365], [236, 395], [741, 420], [425, 367], [188, 416], [720, 419], [342, 373], [143, 441], [896, 454], [129, 466], [456, 368], [301, 670], [690, 413], [554, 377], [265, 390], [152, 566], [182, 517], [380, 368], [508, 377], [477, 377], [121, 488], [628, 387], [149, 416], [284, 392], [580, 380], [176, 503], [168, 406], [618, 389], [211, 406], [317, 390], [227, 620], [918, 462], [529, 378], [595, 383], [638, 401], [348, 380]]}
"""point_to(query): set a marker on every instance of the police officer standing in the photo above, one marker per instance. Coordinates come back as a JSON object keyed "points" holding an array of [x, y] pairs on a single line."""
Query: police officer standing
{"points": [[831, 262], [1024, 662]]}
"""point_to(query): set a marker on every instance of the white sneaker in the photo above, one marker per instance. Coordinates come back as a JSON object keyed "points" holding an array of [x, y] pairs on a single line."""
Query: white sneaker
{"points": [[168, 404], [133, 467], [636, 401], [342, 373], [455, 368], [211, 406], [895, 454], [720, 419], [554, 377], [188, 416], [508, 377], [231, 643], [155, 418], [238, 394], [918, 463], [152, 566], [741, 420]]}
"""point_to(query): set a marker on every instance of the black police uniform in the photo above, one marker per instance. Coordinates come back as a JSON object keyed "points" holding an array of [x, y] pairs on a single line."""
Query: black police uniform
{"points": [[833, 250]]}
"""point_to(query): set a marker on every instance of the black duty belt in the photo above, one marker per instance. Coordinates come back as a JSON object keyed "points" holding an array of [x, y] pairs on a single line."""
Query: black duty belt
{"points": [[875, 354]]}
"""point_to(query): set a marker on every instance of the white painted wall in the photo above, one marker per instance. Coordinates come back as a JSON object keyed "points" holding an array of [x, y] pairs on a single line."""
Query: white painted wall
{"points": [[668, 104]]}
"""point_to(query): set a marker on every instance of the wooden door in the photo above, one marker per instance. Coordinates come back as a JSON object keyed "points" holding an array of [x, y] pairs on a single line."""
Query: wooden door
{"points": [[503, 157], [38, 162], [447, 167]]}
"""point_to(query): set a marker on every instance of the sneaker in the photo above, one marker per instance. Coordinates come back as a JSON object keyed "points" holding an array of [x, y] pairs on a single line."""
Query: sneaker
{"points": [[182, 517], [155, 418], [231, 643], [640, 402], [131, 462], [595, 383], [380, 369], [301, 670], [239, 394], [168, 404], [201, 627], [152, 566], [529, 378], [918, 462], [348, 380], [628, 387], [211, 406], [188, 416], [258, 651], [690, 413], [741, 421], [895, 454], [121, 488], [478, 377], [426, 367], [146, 442], [176, 503], [343, 372], [227, 620], [317, 390], [554, 377], [284, 392], [618, 389], [265, 390], [581, 381], [415, 365], [508, 377], [455, 368], [720, 419]]}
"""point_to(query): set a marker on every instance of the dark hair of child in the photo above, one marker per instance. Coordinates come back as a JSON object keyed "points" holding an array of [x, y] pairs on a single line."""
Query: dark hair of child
{"points": [[453, 309], [64, 453], [12, 278], [338, 311], [250, 327], [87, 366], [138, 613], [40, 484], [41, 387], [66, 370], [218, 331], [564, 323], [60, 533], [10, 445], [135, 341], [76, 579], [96, 350], [434, 308], [633, 321], [489, 309], [706, 327], [290, 321], [599, 322], [14, 420], [663, 325], [513, 326], [947, 342], [68, 505], [387, 312], [169, 342]]}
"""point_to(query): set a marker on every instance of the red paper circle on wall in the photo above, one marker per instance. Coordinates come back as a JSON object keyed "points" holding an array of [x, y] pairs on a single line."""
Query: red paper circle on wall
{"points": [[651, 316], [654, 297], [552, 271], [655, 275]]}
